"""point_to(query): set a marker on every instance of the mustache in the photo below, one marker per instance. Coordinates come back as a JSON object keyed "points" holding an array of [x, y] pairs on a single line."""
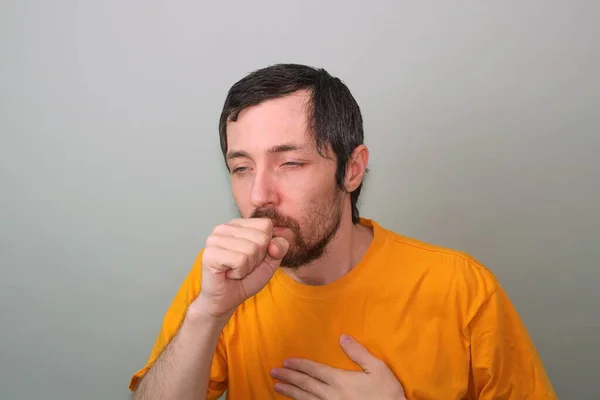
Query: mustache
{"points": [[276, 217]]}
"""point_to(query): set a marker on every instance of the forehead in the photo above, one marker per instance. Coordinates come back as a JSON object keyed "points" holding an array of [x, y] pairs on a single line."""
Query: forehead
{"points": [[271, 123]]}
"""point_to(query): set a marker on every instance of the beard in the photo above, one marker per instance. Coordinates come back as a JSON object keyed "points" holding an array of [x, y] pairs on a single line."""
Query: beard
{"points": [[310, 242]]}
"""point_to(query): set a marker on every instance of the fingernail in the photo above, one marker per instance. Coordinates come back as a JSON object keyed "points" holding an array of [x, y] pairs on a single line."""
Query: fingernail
{"points": [[346, 339]]}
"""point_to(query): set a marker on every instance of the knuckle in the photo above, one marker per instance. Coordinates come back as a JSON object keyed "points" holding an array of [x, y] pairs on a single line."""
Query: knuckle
{"points": [[264, 239], [379, 365], [254, 248], [337, 382], [206, 257], [269, 230], [210, 241], [219, 229], [265, 224], [305, 383], [269, 223], [242, 259]]}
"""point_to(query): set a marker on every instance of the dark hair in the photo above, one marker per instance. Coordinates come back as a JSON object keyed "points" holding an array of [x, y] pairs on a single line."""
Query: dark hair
{"points": [[334, 115]]}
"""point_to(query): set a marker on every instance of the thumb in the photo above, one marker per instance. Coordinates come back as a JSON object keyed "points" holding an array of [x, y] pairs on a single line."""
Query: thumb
{"points": [[359, 354], [277, 249]]}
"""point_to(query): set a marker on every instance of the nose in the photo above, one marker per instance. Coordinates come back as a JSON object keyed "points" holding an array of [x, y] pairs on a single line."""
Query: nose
{"points": [[263, 192]]}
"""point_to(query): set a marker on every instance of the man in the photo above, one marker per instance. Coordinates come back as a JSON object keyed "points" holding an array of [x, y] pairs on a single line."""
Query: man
{"points": [[302, 298]]}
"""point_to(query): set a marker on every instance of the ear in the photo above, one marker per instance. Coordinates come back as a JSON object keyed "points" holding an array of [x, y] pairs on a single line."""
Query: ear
{"points": [[356, 168]]}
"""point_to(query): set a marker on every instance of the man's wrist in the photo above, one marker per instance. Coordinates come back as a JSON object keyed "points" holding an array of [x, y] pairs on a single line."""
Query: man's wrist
{"points": [[198, 314]]}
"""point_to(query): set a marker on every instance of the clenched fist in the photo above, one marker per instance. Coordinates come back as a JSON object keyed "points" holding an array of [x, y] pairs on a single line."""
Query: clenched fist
{"points": [[239, 259]]}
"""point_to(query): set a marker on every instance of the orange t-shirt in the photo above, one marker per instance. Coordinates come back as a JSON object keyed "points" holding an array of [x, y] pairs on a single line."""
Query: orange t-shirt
{"points": [[437, 317]]}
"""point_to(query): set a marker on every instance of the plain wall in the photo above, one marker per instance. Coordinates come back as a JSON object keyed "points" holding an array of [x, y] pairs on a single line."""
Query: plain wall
{"points": [[483, 121]]}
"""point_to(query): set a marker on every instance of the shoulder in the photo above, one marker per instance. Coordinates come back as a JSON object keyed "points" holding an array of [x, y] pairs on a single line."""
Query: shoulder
{"points": [[447, 268]]}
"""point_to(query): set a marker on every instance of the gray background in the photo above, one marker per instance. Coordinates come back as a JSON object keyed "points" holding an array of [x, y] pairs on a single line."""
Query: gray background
{"points": [[482, 119]]}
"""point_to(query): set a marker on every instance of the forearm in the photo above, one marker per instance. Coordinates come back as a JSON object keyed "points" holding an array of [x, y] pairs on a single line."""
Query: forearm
{"points": [[182, 371]]}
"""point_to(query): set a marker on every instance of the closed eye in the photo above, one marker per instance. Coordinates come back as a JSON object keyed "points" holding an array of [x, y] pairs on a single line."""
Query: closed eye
{"points": [[293, 164], [239, 170]]}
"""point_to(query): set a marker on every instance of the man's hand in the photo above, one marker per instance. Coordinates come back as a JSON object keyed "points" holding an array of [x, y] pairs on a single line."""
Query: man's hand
{"points": [[238, 261], [309, 380]]}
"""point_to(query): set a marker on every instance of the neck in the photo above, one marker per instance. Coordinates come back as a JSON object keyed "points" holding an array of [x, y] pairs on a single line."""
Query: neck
{"points": [[343, 252]]}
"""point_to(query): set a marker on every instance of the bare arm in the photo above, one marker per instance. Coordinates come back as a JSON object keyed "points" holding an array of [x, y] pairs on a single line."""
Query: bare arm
{"points": [[238, 261], [182, 370]]}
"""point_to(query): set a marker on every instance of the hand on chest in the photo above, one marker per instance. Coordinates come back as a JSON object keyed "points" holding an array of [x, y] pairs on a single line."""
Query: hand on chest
{"points": [[421, 354]]}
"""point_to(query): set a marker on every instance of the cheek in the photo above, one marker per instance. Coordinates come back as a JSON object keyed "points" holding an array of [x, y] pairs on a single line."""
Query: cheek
{"points": [[299, 188], [241, 195], [303, 195]]}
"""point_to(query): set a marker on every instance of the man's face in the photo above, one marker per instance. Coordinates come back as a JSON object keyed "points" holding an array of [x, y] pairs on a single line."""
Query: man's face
{"points": [[276, 172]]}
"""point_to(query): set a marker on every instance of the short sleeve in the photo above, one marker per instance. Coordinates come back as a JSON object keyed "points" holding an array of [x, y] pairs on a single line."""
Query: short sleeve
{"points": [[505, 364], [188, 291]]}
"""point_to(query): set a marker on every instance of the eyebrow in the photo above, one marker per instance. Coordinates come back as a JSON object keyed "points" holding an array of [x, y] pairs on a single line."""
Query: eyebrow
{"points": [[280, 148]]}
